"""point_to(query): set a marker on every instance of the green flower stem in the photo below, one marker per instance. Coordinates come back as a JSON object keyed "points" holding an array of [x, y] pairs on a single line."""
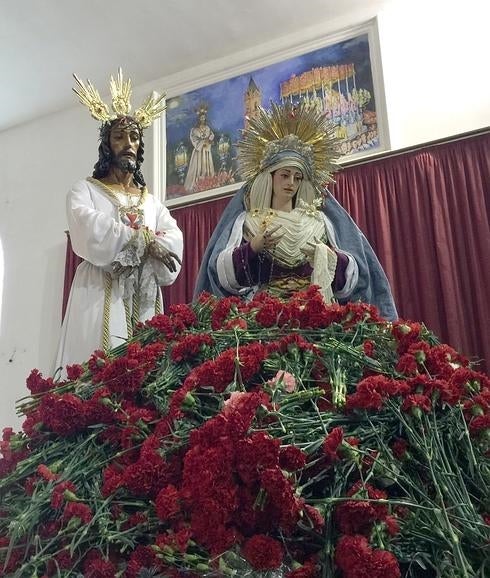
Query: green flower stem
{"points": [[387, 502], [443, 515]]}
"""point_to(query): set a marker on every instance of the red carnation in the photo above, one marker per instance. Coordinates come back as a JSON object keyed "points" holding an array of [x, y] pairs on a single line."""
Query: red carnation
{"points": [[146, 476], [95, 566], [479, 424], [368, 347], [73, 372], [447, 391], [316, 519], [281, 497], [399, 448], [441, 361], [308, 570], [15, 559], [392, 525], [270, 312], [355, 517], [183, 313], [383, 564], [127, 373], [352, 552], [37, 384], [60, 493], [373, 390], [175, 540], [46, 473], [167, 503], [236, 323], [112, 480], [332, 443], [292, 458], [62, 414], [358, 517], [407, 364], [61, 560], [190, 346], [470, 380], [96, 363], [356, 559], [293, 342], [98, 409], [263, 552], [50, 529], [222, 310], [77, 510], [477, 405], [136, 519], [142, 557], [417, 402], [406, 333], [166, 326], [239, 410], [255, 454]]}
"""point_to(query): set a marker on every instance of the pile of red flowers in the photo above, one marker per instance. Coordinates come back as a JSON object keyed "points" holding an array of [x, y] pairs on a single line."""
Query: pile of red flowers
{"points": [[264, 439]]}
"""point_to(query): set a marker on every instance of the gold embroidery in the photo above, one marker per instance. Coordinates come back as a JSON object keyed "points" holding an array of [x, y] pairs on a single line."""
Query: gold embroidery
{"points": [[131, 214]]}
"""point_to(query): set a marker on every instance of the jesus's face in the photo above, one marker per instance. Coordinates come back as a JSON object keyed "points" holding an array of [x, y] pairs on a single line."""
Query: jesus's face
{"points": [[124, 141]]}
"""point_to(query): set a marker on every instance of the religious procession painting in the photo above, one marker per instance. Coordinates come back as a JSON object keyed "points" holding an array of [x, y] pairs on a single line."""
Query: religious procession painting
{"points": [[203, 126]]}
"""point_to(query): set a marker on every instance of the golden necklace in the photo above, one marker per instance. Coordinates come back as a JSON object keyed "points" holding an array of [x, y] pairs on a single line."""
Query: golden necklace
{"points": [[131, 214]]}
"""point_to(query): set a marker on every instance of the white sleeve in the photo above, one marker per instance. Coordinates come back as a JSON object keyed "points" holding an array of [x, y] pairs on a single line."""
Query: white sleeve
{"points": [[95, 236], [352, 269], [351, 278], [169, 236]]}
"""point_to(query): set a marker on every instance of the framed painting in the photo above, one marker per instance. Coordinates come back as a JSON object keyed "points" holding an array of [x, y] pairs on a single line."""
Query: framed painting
{"points": [[341, 75]]}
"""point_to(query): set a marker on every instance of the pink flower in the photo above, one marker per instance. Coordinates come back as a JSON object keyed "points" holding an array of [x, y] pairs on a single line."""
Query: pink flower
{"points": [[283, 378]]}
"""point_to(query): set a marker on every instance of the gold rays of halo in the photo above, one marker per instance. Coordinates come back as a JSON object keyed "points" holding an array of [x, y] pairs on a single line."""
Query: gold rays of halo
{"points": [[121, 94], [90, 97], [271, 130], [151, 108]]}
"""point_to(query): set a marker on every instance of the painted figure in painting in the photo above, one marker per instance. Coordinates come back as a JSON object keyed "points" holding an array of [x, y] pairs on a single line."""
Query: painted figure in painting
{"points": [[129, 242], [201, 163], [283, 230]]}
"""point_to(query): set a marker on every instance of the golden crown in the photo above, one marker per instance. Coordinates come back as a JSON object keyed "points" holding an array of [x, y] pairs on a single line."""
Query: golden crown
{"points": [[201, 109], [151, 108], [286, 129]]}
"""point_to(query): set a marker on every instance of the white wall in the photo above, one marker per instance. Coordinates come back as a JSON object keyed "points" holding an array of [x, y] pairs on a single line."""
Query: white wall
{"points": [[39, 162], [436, 85], [434, 55]]}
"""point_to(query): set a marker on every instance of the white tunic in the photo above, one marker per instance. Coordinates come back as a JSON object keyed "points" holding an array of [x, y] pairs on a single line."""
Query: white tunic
{"points": [[99, 236]]}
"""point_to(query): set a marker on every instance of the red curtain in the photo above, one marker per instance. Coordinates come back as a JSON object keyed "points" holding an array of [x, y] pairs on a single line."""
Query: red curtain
{"points": [[197, 223], [426, 214], [71, 263]]}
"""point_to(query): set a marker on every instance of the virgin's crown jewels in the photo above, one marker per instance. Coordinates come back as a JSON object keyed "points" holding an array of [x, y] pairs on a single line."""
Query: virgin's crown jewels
{"points": [[300, 130], [151, 108]]}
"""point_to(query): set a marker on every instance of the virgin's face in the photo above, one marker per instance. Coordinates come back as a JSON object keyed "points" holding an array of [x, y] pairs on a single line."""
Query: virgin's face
{"points": [[286, 182]]}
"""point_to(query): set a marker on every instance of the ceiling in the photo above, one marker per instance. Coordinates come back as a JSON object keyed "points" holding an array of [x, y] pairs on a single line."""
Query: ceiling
{"points": [[42, 42]]}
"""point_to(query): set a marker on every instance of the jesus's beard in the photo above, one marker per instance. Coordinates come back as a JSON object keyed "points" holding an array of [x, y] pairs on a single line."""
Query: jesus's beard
{"points": [[126, 164]]}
